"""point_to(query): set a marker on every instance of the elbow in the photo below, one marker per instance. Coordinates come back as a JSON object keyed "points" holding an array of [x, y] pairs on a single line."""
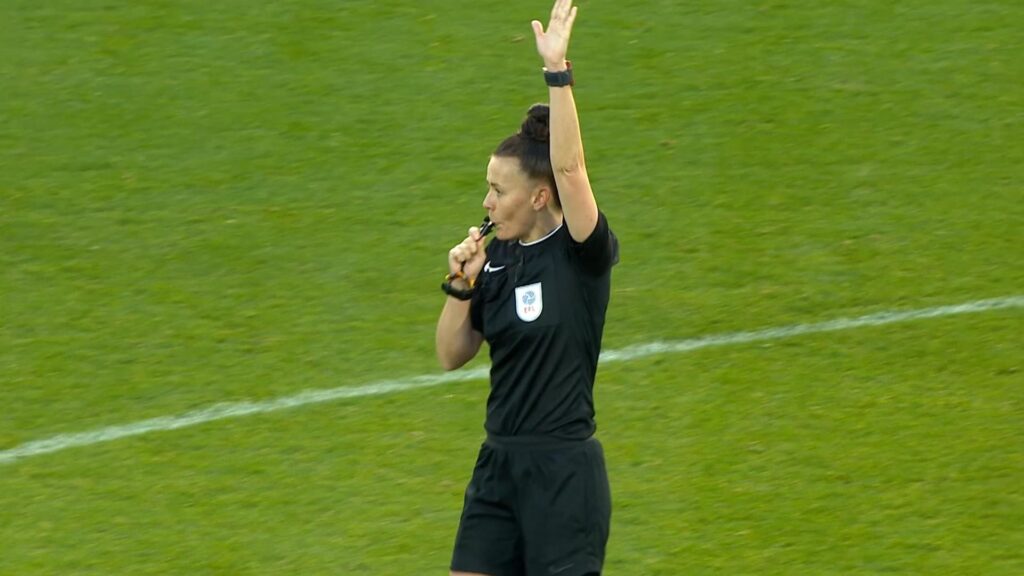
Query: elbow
{"points": [[454, 353], [567, 164], [567, 168], [448, 362]]}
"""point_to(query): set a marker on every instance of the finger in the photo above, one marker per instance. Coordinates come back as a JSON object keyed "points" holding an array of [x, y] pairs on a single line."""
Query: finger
{"points": [[474, 233], [572, 17], [562, 8], [538, 29]]}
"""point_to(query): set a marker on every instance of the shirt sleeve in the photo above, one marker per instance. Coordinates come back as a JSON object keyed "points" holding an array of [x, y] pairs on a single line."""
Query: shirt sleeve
{"points": [[600, 251]]}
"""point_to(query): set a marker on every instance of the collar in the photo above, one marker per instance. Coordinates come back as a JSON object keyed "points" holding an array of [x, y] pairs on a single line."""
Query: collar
{"points": [[545, 237]]}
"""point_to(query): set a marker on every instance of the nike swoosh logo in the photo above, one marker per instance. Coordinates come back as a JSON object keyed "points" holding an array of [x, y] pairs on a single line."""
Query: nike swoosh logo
{"points": [[554, 570], [489, 268]]}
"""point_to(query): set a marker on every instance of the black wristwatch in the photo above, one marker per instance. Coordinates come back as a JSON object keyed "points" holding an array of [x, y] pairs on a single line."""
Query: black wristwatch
{"points": [[454, 292], [559, 79]]}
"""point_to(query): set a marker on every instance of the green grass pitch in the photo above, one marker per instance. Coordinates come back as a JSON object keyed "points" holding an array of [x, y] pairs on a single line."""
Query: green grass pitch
{"points": [[206, 202]]}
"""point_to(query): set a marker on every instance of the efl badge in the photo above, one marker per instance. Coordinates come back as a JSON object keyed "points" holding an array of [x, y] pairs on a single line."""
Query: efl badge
{"points": [[529, 302]]}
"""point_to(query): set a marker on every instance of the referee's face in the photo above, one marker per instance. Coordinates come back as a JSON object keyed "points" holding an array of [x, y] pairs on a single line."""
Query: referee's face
{"points": [[510, 199]]}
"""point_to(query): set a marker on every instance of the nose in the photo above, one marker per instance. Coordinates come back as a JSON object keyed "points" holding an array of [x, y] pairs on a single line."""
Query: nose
{"points": [[488, 202]]}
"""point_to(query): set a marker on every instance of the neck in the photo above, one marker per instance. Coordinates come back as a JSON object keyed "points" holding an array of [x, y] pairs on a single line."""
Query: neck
{"points": [[545, 223]]}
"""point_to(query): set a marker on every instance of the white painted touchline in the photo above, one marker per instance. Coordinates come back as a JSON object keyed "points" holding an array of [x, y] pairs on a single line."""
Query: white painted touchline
{"points": [[650, 349], [235, 409]]}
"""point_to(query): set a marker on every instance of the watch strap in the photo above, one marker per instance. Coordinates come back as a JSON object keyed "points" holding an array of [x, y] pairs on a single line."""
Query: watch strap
{"points": [[561, 78]]}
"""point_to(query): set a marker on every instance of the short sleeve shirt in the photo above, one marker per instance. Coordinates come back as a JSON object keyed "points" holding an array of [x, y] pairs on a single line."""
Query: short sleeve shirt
{"points": [[541, 307]]}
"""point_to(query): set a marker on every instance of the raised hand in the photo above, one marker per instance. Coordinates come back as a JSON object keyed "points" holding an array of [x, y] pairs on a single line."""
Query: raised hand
{"points": [[554, 44]]}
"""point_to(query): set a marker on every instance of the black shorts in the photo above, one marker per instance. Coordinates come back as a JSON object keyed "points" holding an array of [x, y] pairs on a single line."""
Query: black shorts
{"points": [[535, 507]]}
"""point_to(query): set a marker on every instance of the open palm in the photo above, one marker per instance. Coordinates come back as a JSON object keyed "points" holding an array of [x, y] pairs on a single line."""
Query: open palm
{"points": [[553, 44]]}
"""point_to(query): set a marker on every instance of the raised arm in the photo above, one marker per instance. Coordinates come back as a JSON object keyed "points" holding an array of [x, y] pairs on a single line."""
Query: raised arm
{"points": [[579, 208]]}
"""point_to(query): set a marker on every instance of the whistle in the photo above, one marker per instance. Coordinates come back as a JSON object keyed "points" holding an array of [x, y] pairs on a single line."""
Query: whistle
{"points": [[486, 227]]}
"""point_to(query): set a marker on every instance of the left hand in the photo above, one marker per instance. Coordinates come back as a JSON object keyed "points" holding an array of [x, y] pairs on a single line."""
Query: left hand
{"points": [[554, 44]]}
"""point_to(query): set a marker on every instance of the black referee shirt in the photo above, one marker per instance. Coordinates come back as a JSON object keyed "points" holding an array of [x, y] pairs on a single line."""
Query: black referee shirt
{"points": [[541, 307]]}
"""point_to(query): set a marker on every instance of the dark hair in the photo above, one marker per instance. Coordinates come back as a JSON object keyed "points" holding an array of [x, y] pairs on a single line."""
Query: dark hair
{"points": [[532, 147]]}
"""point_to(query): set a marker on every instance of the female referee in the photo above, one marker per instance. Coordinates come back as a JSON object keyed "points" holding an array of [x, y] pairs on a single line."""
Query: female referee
{"points": [[538, 502]]}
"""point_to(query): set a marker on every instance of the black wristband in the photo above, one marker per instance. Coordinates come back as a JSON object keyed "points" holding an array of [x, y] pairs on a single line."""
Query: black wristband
{"points": [[560, 79], [454, 292]]}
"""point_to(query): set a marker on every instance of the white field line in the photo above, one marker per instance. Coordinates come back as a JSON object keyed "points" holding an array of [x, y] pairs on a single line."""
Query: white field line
{"points": [[245, 408]]}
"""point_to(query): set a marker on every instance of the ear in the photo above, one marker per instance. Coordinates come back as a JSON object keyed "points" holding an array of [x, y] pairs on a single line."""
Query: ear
{"points": [[541, 197]]}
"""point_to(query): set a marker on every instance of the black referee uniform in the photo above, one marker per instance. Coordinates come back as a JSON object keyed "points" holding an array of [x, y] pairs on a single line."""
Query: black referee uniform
{"points": [[538, 502]]}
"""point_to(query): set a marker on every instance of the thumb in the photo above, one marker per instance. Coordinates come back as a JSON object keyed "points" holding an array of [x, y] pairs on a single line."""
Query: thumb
{"points": [[538, 28]]}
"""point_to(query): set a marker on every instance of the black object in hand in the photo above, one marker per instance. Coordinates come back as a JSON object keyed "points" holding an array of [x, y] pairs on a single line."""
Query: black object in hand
{"points": [[486, 227]]}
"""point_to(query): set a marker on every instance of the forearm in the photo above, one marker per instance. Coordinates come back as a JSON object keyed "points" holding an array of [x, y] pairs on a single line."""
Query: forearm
{"points": [[567, 162], [566, 140], [455, 341]]}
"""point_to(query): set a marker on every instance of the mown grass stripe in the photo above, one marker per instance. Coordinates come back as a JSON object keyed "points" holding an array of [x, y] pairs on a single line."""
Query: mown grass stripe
{"points": [[227, 410]]}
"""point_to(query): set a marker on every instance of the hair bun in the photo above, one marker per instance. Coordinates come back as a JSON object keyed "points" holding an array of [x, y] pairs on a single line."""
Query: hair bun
{"points": [[535, 127]]}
